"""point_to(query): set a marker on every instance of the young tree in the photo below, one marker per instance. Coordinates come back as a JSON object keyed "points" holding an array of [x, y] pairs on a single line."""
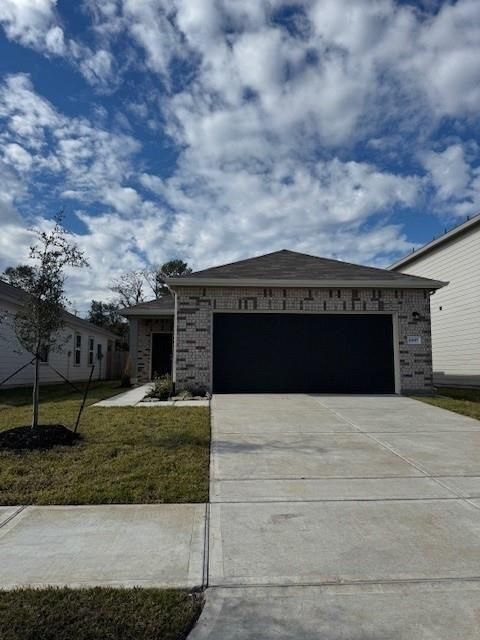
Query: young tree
{"points": [[39, 323], [155, 276], [130, 288]]}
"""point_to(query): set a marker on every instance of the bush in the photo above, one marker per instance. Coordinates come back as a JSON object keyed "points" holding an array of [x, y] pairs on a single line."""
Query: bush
{"points": [[162, 387], [191, 392], [184, 394]]}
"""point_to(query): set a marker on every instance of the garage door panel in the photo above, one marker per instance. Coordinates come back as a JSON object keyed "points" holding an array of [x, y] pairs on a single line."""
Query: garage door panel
{"points": [[309, 353]]}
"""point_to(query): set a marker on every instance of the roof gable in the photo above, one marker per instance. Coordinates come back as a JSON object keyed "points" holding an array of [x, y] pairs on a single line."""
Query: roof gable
{"points": [[287, 266]]}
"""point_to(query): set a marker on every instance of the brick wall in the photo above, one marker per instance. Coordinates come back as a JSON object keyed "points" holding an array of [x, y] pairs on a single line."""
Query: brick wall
{"points": [[196, 306], [144, 343]]}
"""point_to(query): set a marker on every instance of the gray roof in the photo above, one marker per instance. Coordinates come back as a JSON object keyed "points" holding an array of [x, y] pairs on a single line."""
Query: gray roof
{"points": [[18, 296], [289, 268], [164, 306], [437, 243]]}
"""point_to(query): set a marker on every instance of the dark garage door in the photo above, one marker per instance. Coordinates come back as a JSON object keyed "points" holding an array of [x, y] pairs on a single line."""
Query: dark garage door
{"points": [[302, 353]]}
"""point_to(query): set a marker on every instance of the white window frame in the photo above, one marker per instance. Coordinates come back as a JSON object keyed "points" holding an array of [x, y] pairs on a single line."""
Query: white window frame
{"points": [[91, 350], [77, 348]]}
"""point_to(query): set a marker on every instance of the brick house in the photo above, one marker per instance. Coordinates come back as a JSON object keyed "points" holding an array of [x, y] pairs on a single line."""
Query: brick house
{"points": [[288, 322]]}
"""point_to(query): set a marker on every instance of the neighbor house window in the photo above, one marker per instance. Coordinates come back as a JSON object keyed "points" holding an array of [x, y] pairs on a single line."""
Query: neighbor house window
{"points": [[43, 353], [78, 350], [91, 347], [99, 351]]}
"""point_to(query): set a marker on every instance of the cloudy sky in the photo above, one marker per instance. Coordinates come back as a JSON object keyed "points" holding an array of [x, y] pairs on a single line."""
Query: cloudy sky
{"points": [[218, 129]]}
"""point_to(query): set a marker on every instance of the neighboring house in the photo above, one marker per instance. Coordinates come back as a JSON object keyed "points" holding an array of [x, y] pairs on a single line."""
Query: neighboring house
{"points": [[455, 310], [85, 344], [288, 322]]}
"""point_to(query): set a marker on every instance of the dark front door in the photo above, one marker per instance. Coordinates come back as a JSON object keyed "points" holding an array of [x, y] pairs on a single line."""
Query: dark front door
{"points": [[161, 353], [303, 353]]}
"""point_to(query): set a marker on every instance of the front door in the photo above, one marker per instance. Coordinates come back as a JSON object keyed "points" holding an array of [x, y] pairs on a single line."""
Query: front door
{"points": [[162, 344]]}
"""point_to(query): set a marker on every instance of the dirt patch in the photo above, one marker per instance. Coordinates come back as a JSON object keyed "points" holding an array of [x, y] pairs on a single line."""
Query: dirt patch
{"points": [[43, 437]]}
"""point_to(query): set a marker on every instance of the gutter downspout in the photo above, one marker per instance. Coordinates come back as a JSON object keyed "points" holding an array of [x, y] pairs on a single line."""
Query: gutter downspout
{"points": [[174, 348]]}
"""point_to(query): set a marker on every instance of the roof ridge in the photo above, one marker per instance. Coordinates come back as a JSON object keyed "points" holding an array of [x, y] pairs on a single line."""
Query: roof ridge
{"points": [[298, 253], [228, 264]]}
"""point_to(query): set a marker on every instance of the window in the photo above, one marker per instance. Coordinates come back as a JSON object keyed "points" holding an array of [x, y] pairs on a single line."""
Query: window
{"points": [[91, 346], [78, 350], [99, 351], [43, 353]]}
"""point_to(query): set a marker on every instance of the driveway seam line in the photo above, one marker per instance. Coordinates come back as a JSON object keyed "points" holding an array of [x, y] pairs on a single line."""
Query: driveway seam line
{"points": [[348, 583], [14, 515], [304, 478], [289, 501], [413, 464], [425, 472], [206, 546]]}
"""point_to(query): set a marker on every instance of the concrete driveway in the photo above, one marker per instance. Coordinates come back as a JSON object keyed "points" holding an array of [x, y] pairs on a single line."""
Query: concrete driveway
{"points": [[353, 517]]}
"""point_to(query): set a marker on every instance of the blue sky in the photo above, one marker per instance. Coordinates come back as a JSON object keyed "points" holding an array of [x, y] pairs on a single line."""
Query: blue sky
{"points": [[218, 129]]}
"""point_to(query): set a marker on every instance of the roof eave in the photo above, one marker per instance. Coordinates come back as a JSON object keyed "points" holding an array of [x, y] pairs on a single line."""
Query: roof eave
{"points": [[412, 282], [434, 244], [142, 313]]}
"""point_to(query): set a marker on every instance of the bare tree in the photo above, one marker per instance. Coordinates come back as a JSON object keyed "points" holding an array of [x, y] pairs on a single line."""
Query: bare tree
{"points": [[130, 288], [39, 323]]}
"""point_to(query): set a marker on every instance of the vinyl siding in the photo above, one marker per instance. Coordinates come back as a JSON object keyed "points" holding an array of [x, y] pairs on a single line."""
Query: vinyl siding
{"points": [[12, 356], [455, 328]]}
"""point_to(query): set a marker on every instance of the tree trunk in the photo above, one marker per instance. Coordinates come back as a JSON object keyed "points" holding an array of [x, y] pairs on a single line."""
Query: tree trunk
{"points": [[36, 389]]}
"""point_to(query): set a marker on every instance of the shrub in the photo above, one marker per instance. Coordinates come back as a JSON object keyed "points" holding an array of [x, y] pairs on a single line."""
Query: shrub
{"points": [[162, 387], [184, 394]]}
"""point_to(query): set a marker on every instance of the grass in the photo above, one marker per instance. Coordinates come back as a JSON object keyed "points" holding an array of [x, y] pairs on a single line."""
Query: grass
{"points": [[464, 401], [126, 454], [97, 614]]}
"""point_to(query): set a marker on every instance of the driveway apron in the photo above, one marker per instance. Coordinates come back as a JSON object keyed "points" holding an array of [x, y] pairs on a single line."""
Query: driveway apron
{"points": [[342, 517]]}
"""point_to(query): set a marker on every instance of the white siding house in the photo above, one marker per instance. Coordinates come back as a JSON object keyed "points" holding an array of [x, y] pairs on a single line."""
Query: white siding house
{"points": [[84, 344], [455, 309]]}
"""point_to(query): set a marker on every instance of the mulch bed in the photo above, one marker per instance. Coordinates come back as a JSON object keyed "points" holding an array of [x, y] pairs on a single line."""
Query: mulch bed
{"points": [[43, 437]]}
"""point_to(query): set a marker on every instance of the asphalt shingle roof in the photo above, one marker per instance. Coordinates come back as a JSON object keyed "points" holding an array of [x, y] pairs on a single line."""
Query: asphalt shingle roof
{"points": [[290, 265], [162, 306]]}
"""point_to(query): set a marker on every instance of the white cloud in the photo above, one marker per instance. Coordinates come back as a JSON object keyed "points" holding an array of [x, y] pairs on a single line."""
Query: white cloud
{"points": [[33, 23], [446, 57], [456, 181], [17, 156], [269, 125], [124, 199], [97, 67], [449, 171], [150, 23]]}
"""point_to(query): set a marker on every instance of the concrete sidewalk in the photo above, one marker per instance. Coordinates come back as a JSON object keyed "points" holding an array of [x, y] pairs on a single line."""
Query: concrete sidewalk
{"points": [[342, 517], [135, 398], [128, 398], [107, 545]]}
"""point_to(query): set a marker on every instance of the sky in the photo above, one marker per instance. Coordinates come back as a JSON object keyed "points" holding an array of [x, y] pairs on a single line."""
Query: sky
{"points": [[214, 130]]}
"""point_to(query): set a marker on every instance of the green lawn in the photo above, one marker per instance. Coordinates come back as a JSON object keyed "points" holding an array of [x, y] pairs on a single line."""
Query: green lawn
{"points": [[464, 401], [126, 455], [97, 614]]}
